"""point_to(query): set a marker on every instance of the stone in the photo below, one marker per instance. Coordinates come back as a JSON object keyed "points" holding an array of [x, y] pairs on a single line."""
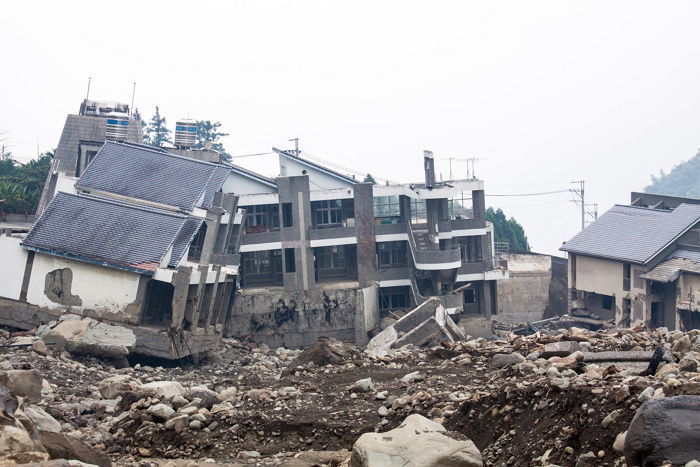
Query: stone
{"points": [[326, 351], [611, 417], [61, 446], [559, 349], [646, 395], [664, 429], [14, 439], [588, 459], [23, 383], [41, 420], [570, 361], [178, 424], [165, 389], [206, 396], [382, 411], [248, 454], [682, 345], [117, 385], [619, 444], [161, 412], [418, 441], [87, 336], [502, 360], [229, 394], [196, 425], [363, 385], [413, 377]]}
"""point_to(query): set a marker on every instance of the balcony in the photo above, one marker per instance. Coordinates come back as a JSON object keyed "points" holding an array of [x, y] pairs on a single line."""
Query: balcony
{"points": [[427, 255]]}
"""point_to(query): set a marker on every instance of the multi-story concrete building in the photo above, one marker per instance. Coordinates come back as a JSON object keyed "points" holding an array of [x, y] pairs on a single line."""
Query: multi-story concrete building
{"points": [[639, 263], [319, 243]]}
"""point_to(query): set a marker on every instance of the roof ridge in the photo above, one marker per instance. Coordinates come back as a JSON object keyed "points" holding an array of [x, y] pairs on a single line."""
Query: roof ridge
{"points": [[163, 152], [124, 203]]}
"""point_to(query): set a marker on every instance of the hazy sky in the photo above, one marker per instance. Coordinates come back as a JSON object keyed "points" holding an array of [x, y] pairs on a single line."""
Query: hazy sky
{"points": [[545, 91]]}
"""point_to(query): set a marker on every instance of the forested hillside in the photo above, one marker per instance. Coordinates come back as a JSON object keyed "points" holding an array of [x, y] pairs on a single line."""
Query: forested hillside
{"points": [[682, 180]]}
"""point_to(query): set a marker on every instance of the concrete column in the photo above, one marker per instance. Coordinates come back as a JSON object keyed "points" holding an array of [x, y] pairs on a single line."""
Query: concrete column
{"points": [[213, 221], [364, 230], [295, 190], [478, 204], [486, 299], [405, 208], [429, 166], [181, 285]]}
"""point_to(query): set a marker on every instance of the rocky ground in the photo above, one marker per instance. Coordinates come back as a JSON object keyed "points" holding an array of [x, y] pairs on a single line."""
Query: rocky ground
{"points": [[522, 400]]}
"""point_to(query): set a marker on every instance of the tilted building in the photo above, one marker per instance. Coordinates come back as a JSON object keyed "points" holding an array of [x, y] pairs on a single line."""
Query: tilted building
{"points": [[639, 263]]}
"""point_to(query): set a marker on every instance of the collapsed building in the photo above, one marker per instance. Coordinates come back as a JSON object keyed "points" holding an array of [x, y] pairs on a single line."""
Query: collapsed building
{"points": [[183, 248], [639, 263]]}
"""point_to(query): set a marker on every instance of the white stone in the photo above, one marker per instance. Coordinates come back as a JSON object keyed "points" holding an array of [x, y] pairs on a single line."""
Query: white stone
{"points": [[165, 389]]}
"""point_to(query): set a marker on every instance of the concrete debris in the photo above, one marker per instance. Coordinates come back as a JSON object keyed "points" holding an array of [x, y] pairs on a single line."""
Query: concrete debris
{"points": [[85, 336], [428, 323], [245, 398]]}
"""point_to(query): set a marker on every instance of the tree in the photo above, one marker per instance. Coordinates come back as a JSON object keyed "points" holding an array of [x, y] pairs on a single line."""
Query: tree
{"points": [[157, 133], [683, 180], [507, 230], [21, 184], [139, 118], [209, 131], [369, 179]]}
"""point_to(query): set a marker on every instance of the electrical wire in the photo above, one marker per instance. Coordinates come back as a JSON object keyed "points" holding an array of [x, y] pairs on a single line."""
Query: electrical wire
{"points": [[251, 155], [531, 194]]}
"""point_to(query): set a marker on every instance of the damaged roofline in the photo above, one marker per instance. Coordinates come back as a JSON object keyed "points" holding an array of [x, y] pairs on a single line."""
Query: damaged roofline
{"points": [[88, 260]]}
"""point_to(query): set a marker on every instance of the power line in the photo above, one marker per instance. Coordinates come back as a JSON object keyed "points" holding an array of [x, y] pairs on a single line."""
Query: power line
{"points": [[251, 155], [531, 194]]}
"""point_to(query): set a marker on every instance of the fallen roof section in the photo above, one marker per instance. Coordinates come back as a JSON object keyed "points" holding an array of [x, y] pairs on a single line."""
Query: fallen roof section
{"points": [[153, 175], [633, 234], [111, 233]]}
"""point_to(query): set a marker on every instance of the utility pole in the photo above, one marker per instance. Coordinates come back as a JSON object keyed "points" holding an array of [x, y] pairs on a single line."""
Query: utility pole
{"points": [[296, 146], [581, 194]]}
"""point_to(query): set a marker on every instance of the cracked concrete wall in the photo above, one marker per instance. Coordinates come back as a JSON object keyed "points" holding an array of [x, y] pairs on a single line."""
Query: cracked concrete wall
{"points": [[524, 296], [298, 318], [12, 261], [87, 289]]}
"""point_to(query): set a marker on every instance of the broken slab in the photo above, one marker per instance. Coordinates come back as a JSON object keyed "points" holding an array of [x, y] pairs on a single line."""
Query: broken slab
{"points": [[86, 336], [559, 349], [623, 356]]}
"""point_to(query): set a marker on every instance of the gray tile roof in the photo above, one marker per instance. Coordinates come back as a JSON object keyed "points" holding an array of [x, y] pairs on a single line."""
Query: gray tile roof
{"points": [[633, 234], [685, 254], [670, 269], [183, 239], [108, 232], [136, 171]]}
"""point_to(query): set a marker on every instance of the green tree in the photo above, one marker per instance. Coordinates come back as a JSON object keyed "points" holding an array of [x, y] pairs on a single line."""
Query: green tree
{"points": [[139, 118], [507, 230], [156, 132], [683, 180], [210, 131], [21, 184], [369, 179]]}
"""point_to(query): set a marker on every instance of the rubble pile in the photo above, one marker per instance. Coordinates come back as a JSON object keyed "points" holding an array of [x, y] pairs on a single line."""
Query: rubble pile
{"points": [[561, 397]]}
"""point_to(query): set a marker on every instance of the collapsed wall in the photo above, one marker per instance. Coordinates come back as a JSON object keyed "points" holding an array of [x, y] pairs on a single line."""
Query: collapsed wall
{"points": [[297, 318]]}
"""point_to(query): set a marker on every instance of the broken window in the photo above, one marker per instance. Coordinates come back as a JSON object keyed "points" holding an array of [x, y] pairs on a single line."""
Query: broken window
{"points": [[392, 255], [159, 303], [262, 218], [195, 252]]}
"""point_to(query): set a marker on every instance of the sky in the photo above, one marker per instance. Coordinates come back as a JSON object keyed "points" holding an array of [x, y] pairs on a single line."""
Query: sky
{"points": [[542, 92]]}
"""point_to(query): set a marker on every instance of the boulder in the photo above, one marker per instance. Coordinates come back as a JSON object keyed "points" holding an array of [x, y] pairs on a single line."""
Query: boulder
{"points": [[61, 446], [664, 429], [17, 446], [164, 389], [502, 360], [560, 349], [207, 397], [570, 361], [23, 383], [87, 336], [326, 351], [363, 385], [116, 385], [416, 442], [41, 420], [161, 412]]}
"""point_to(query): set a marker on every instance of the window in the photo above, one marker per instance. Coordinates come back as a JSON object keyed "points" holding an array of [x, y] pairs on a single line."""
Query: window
{"points": [[607, 302], [287, 218], [262, 267], [289, 263], [471, 296], [392, 255], [387, 206], [263, 218], [195, 252], [332, 257], [418, 211], [471, 249], [327, 212], [626, 274], [392, 298]]}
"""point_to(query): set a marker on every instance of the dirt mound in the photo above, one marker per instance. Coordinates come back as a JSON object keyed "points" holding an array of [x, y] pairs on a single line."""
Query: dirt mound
{"points": [[327, 351]]}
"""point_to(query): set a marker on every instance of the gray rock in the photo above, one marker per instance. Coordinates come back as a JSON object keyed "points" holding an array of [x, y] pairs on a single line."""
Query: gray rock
{"points": [[117, 385], [161, 412], [416, 442], [41, 419], [164, 389], [363, 385], [502, 360], [560, 349], [87, 336], [664, 429], [178, 423], [23, 383], [207, 397], [413, 377]]}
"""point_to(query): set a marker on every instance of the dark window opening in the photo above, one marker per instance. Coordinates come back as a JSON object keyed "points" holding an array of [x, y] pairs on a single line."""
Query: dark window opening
{"points": [[657, 287], [607, 302], [626, 274], [336, 262], [287, 218], [289, 260], [657, 315], [471, 296], [392, 255], [195, 253], [394, 298], [159, 303]]}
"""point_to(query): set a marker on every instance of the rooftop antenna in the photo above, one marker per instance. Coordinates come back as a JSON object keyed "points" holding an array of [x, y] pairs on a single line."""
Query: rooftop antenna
{"points": [[296, 145], [88, 89], [133, 94]]}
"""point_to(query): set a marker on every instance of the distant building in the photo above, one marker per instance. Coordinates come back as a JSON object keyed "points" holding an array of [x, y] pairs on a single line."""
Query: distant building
{"points": [[639, 263]]}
